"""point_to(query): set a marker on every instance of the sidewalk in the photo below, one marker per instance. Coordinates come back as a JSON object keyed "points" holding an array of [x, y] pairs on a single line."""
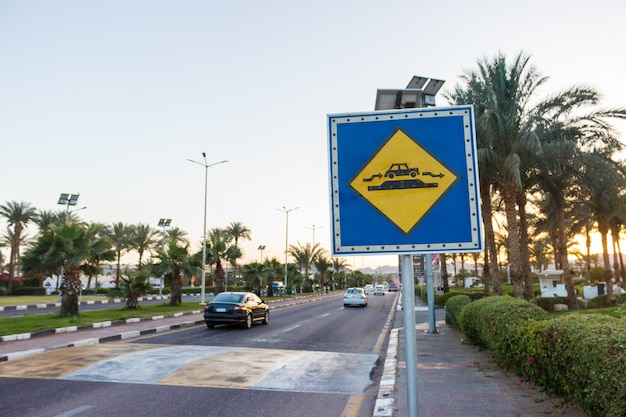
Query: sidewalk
{"points": [[458, 380]]}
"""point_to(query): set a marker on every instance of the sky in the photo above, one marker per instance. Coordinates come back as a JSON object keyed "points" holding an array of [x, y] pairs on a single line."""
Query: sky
{"points": [[110, 99]]}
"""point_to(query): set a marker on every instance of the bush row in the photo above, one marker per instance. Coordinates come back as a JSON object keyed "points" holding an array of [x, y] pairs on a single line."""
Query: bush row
{"points": [[579, 356]]}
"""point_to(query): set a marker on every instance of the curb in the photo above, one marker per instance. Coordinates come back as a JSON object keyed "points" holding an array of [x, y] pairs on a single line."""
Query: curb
{"points": [[95, 341], [81, 303]]}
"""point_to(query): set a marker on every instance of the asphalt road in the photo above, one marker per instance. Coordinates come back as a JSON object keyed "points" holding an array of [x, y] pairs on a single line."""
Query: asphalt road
{"points": [[311, 360]]}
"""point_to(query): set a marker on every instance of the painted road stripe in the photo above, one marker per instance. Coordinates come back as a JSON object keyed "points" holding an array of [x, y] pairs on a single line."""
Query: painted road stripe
{"points": [[207, 366]]}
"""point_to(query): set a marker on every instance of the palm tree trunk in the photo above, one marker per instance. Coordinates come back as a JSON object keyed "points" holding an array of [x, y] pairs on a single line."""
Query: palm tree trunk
{"points": [[71, 289], [603, 228], [176, 287], [515, 258], [561, 251], [529, 292], [491, 270]]}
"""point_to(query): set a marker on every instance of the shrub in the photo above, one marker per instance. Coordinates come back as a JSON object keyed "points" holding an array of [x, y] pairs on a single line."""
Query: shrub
{"points": [[454, 305], [492, 322], [601, 301], [547, 303], [587, 354], [29, 291]]}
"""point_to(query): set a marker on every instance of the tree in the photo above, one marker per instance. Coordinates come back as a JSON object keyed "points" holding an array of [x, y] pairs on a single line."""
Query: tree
{"points": [[219, 249], [323, 265], [602, 181], [142, 238], [132, 287], [17, 215], [120, 235], [175, 262], [566, 130], [338, 269], [501, 93], [70, 244], [304, 256], [237, 231], [177, 235]]}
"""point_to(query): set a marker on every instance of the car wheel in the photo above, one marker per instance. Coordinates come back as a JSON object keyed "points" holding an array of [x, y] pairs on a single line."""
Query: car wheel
{"points": [[345, 305], [248, 323], [266, 318], [210, 326]]}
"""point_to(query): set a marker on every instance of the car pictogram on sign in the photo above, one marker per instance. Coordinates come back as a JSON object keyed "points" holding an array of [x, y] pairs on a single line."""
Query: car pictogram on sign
{"points": [[401, 170]]}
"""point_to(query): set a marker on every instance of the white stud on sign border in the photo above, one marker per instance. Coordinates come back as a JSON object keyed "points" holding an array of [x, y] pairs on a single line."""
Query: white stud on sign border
{"points": [[404, 181]]}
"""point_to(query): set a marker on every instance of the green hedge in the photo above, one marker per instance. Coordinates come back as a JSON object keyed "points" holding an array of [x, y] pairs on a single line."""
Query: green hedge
{"points": [[547, 303], [28, 291], [579, 356], [491, 322], [454, 305], [601, 301]]}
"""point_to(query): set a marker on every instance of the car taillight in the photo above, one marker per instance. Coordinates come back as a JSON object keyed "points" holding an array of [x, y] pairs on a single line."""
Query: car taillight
{"points": [[237, 308], [206, 308]]}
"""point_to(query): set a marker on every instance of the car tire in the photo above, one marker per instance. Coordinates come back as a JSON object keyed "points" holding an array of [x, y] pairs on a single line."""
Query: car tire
{"points": [[248, 323], [210, 326], [266, 318], [345, 305]]}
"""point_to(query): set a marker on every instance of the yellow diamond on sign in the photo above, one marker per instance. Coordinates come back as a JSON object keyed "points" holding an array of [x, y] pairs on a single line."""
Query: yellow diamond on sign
{"points": [[403, 181]]}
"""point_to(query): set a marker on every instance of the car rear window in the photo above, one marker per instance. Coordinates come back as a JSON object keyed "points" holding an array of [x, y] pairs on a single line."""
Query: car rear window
{"points": [[227, 298]]}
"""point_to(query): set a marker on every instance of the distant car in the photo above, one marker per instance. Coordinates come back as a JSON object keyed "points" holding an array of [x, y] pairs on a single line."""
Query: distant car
{"points": [[379, 290], [242, 308], [355, 296], [393, 286], [369, 289]]}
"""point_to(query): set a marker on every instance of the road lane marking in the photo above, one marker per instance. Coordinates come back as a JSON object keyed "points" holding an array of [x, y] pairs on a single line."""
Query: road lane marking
{"points": [[75, 411], [288, 329]]}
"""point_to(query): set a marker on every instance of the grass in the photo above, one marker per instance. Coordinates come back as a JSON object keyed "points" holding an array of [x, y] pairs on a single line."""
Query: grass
{"points": [[33, 322]]}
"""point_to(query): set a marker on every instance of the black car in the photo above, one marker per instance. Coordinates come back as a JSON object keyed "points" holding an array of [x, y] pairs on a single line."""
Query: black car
{"points": [[243, 308]]}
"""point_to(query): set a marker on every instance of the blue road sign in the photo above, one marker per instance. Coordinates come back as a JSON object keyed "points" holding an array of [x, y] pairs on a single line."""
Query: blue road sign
{"points": [[404, 181]]}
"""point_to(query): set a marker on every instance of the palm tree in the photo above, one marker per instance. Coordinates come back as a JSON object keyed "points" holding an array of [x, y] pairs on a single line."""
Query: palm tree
{"points": [[177, 235], [304, 257], [132, 287], [17, 215], [566, 131], [120, 235], [339, 266], [175, 262], [142, 238], [219, 249], [602, 181], [501, 92], [323, 265], [237, 230], [69, 244]]}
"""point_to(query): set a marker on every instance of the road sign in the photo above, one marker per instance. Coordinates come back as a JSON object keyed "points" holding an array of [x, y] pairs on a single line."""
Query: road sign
{"points": [[404, 181]]}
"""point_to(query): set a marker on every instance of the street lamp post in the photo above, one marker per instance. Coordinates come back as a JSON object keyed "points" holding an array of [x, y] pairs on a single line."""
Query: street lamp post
{"points": [[163, 223], [286, 211], [314, 228], [67, 200], [206, 171], [261, 248]]}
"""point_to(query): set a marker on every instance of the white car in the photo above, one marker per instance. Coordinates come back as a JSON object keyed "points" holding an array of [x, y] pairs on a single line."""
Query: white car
{"points": [[369, 288], [379, 290], [355, 296]]}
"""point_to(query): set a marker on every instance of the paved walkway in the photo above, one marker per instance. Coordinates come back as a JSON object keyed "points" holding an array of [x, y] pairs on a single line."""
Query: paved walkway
{"points": [[458, 380]]}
